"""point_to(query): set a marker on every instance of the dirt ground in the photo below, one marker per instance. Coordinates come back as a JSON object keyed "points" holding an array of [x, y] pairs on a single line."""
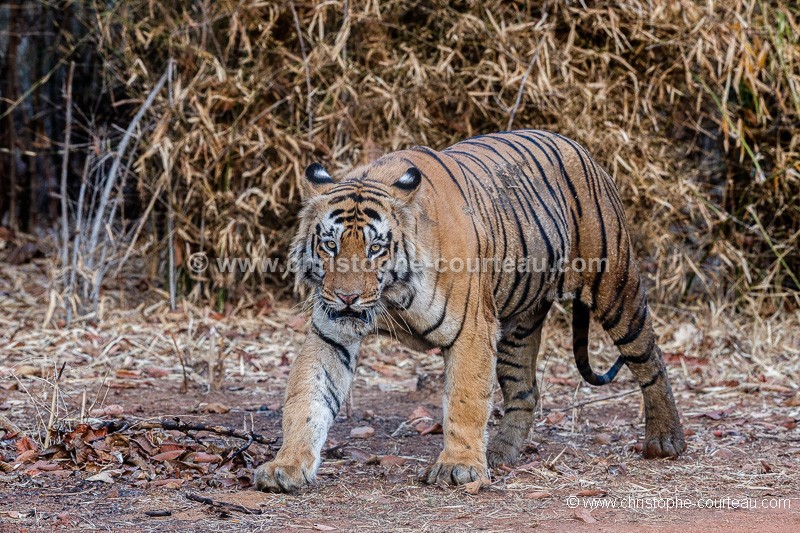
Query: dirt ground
{"points": [[109, 465]]}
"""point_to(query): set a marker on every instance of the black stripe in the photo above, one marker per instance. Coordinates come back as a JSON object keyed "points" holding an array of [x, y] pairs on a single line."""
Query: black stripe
{"points": [[523, 333], [506, 207], [634, 329], [463, 319], [498, 220], [522, 395], [482, 207], [371, 213], [643, 357], [439, 321], [344, 356], [618, 302], [331, 398], [513, 408], [564, 172], [652, 381], [560, 200], [512, 364], [511, 343], [553, 149], [357, 197]]}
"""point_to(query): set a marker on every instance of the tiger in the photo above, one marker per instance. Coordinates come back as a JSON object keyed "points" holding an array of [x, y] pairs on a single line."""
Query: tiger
{"points": [[379, 249]]}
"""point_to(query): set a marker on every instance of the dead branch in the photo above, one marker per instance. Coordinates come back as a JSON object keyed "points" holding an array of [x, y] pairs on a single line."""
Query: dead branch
{"points": [[306, 69], [522, 88], [176, 425], [115, 166], [222, 506], [73, 271]]}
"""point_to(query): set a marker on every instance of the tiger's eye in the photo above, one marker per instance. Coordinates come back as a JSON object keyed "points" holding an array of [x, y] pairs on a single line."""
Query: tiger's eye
{"points": [[375, 248], [330, 245]]}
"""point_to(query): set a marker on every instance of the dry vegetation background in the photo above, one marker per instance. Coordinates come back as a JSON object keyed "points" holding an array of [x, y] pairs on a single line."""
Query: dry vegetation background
{"points": [[692, 106], [135, 133]]}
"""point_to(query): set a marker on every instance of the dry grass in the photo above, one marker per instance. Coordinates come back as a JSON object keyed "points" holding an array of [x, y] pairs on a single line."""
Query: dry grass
{"points": [[692, 106]]}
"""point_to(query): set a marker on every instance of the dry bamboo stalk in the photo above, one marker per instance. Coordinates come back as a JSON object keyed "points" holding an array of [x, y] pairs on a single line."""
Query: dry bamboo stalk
{"points": [[11, 86], [64, 200], [76, 243], [522, 89], [171, 245], [83, 406], [306, 69]]}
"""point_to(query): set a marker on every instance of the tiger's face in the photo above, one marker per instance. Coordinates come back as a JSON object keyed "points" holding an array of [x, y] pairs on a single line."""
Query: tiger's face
{"points": [[354, 245]]}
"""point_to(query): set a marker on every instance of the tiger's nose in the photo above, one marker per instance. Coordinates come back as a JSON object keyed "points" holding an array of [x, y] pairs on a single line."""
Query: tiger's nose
{"points": [[348, 299]]}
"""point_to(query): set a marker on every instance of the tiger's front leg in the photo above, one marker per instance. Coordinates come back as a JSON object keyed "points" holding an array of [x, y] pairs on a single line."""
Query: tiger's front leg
{"points": [[319, 381], [469, 376]]}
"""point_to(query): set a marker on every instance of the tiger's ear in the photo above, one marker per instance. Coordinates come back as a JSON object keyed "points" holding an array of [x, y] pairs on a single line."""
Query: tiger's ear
{"points": [[316, 181], [407, 185]]}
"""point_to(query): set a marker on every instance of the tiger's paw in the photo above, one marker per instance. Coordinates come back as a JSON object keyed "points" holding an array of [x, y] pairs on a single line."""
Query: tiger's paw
{"points": [[455, 473], [501, 454], [668, 443], [282, 477]]}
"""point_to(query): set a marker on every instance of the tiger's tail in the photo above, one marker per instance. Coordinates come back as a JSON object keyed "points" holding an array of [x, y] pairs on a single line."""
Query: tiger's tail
{"points": [[580, 347]]}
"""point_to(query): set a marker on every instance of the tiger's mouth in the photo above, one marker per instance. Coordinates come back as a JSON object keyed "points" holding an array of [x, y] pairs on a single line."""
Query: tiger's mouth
{"points": [[348, 313]]}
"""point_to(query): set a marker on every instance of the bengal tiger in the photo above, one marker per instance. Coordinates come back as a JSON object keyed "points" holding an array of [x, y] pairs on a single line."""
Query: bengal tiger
{"points": [[508, 197]]}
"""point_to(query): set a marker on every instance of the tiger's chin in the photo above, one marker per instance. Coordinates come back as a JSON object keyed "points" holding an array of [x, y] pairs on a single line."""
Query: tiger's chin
{"points": [[347, 322]]}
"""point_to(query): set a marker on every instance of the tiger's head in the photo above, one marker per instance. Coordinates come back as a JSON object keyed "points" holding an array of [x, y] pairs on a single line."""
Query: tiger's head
{"points": [[356, 244]]}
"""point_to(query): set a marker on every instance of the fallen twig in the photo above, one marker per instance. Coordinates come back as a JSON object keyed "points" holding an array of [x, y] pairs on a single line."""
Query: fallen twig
{"points": [[158, 513], [239, 451], [119, 425], [222, 506], [177, 425]]}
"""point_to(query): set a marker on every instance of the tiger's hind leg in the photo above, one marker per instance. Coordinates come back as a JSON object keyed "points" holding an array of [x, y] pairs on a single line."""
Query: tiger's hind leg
{"points": [[516, 372], [626, 318]]}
